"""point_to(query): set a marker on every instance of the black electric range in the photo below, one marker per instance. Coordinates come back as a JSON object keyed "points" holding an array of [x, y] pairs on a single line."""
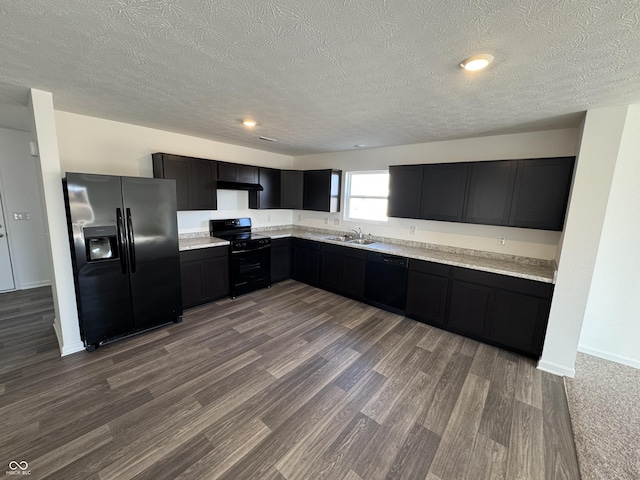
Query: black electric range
{"points": [[249, 255]]}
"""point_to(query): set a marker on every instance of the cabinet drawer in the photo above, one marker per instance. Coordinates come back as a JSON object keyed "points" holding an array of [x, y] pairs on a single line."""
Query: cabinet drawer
{"points": [[431, 268], [202, 253], [504, 282]]}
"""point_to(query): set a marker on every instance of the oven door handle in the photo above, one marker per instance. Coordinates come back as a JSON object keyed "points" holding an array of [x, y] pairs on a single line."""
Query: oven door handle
{"points": [[233, 252]]}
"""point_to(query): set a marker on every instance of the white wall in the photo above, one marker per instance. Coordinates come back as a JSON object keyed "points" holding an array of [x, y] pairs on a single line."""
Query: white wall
{"points": [[525, 242], [94, 145], [596, 161], [611, 327], [21, 193], [64, 297]]}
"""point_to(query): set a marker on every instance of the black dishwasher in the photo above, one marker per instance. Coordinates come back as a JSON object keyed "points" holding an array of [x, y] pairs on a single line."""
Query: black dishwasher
{"points": [[386, 281]]}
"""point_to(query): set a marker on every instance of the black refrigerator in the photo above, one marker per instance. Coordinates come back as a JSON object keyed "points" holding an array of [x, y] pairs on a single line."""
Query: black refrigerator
{"points": [[124, 248]]}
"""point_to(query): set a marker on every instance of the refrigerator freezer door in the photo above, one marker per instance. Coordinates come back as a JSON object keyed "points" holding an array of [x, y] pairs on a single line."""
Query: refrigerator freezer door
{"points": [[102, 289], [152, 232]]}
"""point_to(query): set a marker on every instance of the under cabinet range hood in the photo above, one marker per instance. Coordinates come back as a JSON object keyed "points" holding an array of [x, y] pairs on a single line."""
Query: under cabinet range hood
{"points": [[251, 187]]}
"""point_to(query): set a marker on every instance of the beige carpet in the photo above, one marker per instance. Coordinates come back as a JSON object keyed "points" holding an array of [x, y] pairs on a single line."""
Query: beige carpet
{"points": [[604, 403]]}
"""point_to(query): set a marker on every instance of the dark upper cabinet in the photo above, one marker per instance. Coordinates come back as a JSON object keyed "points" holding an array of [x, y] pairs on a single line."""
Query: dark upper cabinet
{"points": [[205, 275], [443, 191], [280, 259], [269, 197], [518, 193], [321, 190], [291, 189], [195, 180], [235, 172], [405, 188], [541, 193], [489, 194], [427, 288]]}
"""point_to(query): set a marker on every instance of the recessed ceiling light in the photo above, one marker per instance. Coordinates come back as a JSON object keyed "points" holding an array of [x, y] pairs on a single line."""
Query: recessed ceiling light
{"points": [[477, 62], [249, 123]]}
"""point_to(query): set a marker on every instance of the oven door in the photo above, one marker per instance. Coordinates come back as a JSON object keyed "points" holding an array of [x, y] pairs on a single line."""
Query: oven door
{"points": [[250, 270]]}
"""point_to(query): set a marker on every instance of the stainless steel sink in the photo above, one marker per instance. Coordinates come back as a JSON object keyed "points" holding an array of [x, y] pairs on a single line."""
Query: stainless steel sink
{"points": [[361, 241], [342, 238]]}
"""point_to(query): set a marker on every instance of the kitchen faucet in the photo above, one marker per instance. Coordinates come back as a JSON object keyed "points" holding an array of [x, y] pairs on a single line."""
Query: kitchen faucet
{"points": [[358, 232]]}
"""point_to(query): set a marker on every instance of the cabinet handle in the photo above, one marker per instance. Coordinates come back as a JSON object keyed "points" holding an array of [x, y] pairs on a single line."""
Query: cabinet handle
{"points": [[1, 235]]}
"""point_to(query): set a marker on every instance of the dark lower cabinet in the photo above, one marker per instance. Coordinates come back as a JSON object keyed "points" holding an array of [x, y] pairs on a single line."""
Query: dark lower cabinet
{"points": [[343, 270], [427, 288], [305, 261], [519, 321], [469, 308], [205, 275], [506, 311], [280, 259]]}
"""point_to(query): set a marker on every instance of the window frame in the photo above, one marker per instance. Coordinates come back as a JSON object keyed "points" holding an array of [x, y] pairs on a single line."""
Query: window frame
{"points": [[348, 196]]}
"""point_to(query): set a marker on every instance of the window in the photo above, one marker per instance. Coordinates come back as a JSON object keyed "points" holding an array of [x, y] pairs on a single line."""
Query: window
{"points": [[366, 195]]}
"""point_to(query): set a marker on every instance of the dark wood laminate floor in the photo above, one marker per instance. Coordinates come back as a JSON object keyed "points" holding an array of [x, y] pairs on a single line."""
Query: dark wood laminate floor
{"points": [[286, 383]]}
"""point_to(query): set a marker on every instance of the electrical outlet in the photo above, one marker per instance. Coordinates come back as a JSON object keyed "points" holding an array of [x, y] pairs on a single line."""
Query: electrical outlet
{"points": [[299, 218], [268, 218], [336, 221], [412, 230], [326, 220], [502, 240]]}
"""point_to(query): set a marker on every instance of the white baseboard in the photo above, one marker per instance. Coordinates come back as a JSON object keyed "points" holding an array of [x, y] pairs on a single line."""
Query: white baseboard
{"points": [[66, 349], [42, 283], [556, 369], [609, 356]]}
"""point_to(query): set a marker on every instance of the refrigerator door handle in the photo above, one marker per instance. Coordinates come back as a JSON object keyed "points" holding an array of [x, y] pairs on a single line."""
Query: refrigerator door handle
{"points": [[121, 241], [132, 242]]}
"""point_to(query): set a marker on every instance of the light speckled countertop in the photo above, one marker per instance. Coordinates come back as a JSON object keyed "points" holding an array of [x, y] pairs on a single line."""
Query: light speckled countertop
{"points": [[521, 267]]}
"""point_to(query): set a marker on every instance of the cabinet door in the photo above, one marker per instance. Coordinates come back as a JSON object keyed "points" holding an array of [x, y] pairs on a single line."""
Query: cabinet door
{"points": [[353, 277], [313, 267], [202, 186], [299, 267], [216, 270], [227, 172], [316, 190], [405, 187], [426, 297], [280, 259], [490, 192], [177, 168], [519, 321], [443, 191], [332, 271], [269, 197], [193, 283], [469, 308], [292, 189], [247, 174], [541, 193]]}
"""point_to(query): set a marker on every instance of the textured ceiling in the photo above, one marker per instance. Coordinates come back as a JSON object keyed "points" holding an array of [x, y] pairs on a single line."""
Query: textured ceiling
{"points": [[324, 75]]}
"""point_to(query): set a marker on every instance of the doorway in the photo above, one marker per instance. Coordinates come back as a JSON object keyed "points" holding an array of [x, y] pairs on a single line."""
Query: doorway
{"points": [[6, 270]]}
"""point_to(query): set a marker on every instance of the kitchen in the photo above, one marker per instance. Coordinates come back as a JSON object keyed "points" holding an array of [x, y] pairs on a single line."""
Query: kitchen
{"points": [[593, 306]]}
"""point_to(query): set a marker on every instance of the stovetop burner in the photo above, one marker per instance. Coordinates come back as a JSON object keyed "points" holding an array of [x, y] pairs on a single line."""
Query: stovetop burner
{"points": [[238, 232]]}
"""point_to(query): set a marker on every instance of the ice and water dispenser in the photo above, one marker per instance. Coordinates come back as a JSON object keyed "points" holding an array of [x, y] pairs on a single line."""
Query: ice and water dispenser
{"points": [[101, 243]]}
